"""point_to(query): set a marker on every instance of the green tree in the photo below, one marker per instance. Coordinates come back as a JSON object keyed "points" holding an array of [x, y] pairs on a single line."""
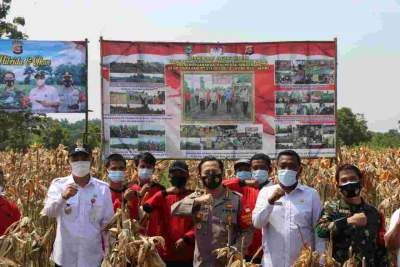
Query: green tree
{"points": [[53, 135], [17, 129], [10, 28], [28, 71], [352, 128], [390, 139]]}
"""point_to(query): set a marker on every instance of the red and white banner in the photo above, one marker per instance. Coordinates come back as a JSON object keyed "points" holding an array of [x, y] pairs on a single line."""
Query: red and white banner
{"points": [[230, 100]]}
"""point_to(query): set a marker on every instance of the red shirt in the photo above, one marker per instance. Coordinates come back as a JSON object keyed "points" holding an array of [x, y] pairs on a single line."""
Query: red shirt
{"points": [[173, 227], [152, 228], [117, 197], [249, 199], [188, 96], [9, 214]]}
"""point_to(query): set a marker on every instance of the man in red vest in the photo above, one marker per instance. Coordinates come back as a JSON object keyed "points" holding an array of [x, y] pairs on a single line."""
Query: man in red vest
{"points": [[251, 176], [177, 231], [9, 212], [139, 193], [116, 168]]}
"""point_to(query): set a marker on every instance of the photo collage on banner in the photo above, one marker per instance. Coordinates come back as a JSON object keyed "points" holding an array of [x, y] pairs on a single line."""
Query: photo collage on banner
{"points": [[230, 100], [43, 76]]}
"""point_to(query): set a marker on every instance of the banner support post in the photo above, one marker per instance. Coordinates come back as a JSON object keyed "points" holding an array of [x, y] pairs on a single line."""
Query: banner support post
{"points": [[102, 97], [336, 105], [85, 135]]}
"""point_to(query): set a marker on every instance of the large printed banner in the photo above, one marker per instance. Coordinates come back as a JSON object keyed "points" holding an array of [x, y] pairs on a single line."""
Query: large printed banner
{"points": [[43, 76], [230, 100]]}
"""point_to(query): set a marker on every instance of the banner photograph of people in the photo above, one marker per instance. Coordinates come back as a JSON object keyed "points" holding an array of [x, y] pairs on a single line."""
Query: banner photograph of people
{"points": [[229, 100], [43, 76]]}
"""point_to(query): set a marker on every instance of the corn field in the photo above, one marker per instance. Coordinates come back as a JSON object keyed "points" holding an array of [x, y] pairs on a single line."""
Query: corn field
{"points": [[28, 176]]}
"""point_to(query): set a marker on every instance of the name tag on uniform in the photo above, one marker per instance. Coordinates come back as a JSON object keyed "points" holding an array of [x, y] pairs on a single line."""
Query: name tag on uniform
{"points": [[278, 203]]}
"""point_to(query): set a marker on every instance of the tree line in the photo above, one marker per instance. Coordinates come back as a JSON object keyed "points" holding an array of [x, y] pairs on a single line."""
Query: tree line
{"points": [[20, 130]]}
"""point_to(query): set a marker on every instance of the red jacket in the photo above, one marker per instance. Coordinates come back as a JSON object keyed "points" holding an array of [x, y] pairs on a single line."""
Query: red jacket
{"points": [[152, 228], [9, 214], [249, 199], [173, 227]]}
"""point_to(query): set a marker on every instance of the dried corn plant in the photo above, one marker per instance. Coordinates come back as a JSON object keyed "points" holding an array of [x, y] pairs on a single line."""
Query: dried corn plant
{"points": [[129, 246]]}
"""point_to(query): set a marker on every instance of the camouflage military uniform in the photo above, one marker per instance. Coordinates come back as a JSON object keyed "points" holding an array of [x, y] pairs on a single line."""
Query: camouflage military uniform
{"points": [[212, 225], [11, 99], [366, 241]]}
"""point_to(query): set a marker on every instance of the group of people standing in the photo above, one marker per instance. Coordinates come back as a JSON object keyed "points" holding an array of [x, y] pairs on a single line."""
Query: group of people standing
{"points": [[216, 98], [243, 213]]}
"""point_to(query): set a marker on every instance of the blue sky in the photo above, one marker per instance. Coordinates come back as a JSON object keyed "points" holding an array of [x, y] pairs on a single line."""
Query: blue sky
{"points": [[367, 32]]}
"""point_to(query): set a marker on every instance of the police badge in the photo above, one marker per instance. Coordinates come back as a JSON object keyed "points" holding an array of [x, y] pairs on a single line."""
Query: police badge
{"points": [[17, 47]]}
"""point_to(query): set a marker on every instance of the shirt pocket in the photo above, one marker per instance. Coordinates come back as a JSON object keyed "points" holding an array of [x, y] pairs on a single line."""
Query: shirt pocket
{"points": [[303, 215], [94, 212], [70, 210]]}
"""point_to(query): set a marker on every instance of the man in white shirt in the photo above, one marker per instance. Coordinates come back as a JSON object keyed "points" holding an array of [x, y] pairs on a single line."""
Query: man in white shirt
{"points": [[44, 98], [392, 237], [287, 214], [244, 98], [82, 206]]}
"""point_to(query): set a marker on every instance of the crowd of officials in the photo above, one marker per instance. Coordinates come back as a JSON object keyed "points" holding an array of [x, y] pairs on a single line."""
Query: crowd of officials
{"points": [[244, 213]]}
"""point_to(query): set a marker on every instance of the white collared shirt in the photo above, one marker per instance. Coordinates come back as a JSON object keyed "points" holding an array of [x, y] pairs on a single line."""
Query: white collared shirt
{"points": [[280, 224], [46, 93], [393, 221], [80, 221]]}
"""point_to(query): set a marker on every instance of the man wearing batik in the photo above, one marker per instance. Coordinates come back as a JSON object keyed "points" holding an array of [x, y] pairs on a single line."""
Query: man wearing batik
{"points": [[353, 223]]}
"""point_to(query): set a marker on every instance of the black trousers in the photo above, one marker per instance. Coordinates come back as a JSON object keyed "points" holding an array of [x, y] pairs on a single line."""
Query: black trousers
{"points": [[179, 263], [256, 260], [56, 265]]}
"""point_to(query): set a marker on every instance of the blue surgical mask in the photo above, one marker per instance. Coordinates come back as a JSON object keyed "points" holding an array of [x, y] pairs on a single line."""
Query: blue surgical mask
{"points": [[145, 173], [116, 176], [287, 177], [243, 175], [261, 176]]}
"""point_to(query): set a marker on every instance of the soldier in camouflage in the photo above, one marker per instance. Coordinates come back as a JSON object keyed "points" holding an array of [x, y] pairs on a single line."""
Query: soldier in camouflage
{"points": [[353, 223], [10, 97], [218, 216]]}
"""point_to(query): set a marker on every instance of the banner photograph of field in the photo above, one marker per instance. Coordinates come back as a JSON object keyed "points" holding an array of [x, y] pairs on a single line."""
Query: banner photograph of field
{"points": [[229, 100], [43, 76]]}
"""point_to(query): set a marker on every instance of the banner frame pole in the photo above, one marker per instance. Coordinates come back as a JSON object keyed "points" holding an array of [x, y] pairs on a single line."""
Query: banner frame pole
{"points": [[102, 98], [336, 102], [85, 136]]}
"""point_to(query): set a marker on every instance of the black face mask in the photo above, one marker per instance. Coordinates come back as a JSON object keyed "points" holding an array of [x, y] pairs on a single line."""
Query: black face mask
{"points": [[350, 190], [178, 181], [67, 83], [212, 181], [10, 83]]}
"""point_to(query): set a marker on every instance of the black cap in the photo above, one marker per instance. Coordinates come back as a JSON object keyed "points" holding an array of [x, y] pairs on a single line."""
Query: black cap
{"points": [[179, 165], [76, 149], [40, 74], [67, 75], [241, 162]]}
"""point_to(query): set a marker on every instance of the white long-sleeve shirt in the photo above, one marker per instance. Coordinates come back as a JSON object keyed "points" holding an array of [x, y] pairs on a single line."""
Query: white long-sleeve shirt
{"points": [[280, 224], [393, 221], [80, 221]]}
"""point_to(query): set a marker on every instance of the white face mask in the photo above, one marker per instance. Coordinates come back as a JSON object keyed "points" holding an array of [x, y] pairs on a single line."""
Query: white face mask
{"points": [[287, 177], [40, 82], [80, 168]]}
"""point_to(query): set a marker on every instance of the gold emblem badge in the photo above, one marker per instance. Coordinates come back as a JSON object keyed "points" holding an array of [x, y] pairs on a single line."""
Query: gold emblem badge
{"points": [[68, 209]]}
